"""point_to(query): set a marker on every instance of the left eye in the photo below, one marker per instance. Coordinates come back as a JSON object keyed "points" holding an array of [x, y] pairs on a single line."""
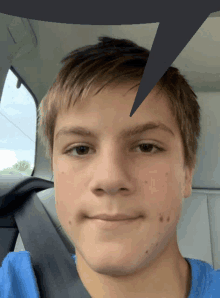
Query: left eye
{"points": [[145, 146]]}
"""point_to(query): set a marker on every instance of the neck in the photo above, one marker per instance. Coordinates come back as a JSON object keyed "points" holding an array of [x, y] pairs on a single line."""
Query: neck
{"points": [[167, 279]]}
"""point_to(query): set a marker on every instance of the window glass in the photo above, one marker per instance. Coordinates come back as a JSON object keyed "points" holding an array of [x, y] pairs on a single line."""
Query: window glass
{"points": [[18, 117]]}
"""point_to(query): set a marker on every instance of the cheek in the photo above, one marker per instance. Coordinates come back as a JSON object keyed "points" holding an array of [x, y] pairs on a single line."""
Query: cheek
{"points": [[68, 192], [63, 195], [62, 185], [162, 193], [65, 213]]}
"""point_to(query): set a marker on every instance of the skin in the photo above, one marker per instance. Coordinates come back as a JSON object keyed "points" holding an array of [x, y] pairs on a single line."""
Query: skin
{"points": [[114, 175]]}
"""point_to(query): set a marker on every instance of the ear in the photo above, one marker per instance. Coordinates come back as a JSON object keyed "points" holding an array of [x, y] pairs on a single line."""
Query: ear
{"points": [[189, 172]]}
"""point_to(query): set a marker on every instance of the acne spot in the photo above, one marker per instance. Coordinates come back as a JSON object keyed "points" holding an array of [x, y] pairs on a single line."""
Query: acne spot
{"points": [[168, 218], [147, 252], [70, 222], [166, 174], [145, 181], [161, 218]]}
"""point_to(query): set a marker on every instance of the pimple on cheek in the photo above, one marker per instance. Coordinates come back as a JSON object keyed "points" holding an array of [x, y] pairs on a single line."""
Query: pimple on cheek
{"points": [[161, 218], [156, 246], [70, 222]]}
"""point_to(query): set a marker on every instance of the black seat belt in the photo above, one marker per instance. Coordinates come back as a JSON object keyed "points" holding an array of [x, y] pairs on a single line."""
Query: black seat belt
{"points": [[54, 268]]}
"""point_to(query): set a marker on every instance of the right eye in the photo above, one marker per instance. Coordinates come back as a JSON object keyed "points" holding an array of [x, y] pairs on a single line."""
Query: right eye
{"points": [[78, 149]]}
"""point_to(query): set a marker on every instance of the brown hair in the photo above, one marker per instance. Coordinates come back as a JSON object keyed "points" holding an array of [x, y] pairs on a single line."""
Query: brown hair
{"points": [[122, 61]]}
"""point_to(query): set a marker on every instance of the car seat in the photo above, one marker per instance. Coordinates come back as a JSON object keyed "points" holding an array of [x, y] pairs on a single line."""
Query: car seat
{"points": [[21, 209]]}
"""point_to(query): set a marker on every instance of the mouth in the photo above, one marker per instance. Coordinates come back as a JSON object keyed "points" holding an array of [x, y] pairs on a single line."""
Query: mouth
{"points": [[117, 217], [114, 224]]}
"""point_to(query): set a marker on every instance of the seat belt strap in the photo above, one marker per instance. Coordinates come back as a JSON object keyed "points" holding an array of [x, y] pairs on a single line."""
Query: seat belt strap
{"points": [[54, 268]]}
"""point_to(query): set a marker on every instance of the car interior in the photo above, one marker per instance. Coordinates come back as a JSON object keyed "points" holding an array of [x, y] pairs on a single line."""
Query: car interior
{"points": [[30, 56]]}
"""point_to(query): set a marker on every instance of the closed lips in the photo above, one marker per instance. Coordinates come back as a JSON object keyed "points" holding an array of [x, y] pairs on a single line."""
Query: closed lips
{"points": [[113, 218]]}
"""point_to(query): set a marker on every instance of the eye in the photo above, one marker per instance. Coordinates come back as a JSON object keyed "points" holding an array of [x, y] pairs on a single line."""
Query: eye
{"points": [[81, 150], [148, 147]]}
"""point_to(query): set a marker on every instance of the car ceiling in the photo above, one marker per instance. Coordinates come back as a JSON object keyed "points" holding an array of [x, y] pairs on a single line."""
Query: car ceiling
{"points": [[199, 61]]}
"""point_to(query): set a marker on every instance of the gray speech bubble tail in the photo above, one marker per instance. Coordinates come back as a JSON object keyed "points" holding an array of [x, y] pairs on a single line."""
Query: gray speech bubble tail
{"points": [[172, 36]]}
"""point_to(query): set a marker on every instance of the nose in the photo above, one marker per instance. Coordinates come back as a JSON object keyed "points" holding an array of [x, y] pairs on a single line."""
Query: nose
{"points": [[114, 190], [112, 174]]}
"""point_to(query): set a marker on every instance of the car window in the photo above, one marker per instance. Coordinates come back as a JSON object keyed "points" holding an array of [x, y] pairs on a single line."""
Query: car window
{"points": [[18, 118]]}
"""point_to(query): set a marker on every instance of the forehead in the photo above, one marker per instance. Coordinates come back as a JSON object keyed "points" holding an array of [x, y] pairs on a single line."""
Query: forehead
{"points": [[118, 96], [111, 109]]}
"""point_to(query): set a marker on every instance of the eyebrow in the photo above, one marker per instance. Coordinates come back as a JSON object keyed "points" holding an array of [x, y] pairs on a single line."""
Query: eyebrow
{"points": [[125, 133]]}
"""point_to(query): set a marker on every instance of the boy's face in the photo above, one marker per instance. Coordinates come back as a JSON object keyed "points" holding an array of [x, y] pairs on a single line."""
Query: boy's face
{"points": [[114, 174]]}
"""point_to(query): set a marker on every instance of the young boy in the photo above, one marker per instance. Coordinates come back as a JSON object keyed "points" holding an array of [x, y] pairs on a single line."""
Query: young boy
{"points": [[134, 170], [119, 180]]}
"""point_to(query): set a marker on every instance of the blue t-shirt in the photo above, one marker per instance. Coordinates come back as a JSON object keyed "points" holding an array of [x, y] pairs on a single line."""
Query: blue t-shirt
{"points": [[17, 279]]}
